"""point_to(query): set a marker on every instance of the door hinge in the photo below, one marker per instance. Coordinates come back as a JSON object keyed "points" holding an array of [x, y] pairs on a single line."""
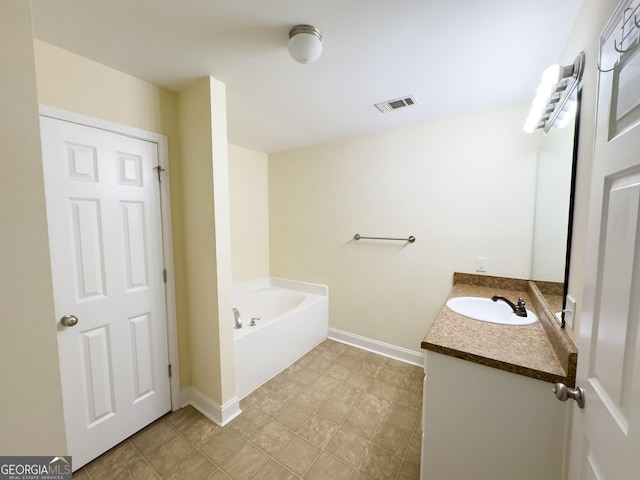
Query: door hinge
{"points": [[164, 275], [169, 370], [159, 170]]}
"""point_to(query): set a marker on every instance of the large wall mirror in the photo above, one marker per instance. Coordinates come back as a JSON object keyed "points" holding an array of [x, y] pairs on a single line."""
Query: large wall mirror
{"points": [[557, 157]]}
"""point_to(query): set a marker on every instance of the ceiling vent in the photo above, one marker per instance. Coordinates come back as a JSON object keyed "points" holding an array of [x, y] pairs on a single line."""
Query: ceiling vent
{"points": [[396, 103]]}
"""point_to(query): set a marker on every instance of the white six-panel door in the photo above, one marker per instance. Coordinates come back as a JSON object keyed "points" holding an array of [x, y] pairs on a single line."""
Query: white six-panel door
{"points": [[105, 234], [606, 433]]}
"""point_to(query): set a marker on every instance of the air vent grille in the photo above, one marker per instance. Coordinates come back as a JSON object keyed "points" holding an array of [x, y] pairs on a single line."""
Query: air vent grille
{"points": [[396, 103]]}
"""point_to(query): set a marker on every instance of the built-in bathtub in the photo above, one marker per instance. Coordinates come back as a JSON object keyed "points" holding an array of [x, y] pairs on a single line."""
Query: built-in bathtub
{"points": [[293, 319]]}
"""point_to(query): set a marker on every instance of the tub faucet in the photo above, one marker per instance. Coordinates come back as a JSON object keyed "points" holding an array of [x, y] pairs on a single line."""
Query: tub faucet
{"points": [[237, 321], [519, 309]]}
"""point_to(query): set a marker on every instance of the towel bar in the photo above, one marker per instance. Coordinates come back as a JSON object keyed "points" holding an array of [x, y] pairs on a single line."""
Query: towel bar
{"points": [[410, 239]]}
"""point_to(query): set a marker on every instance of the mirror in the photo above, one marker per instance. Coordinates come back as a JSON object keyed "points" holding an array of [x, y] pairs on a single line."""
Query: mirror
{"points": [[555, 185]]}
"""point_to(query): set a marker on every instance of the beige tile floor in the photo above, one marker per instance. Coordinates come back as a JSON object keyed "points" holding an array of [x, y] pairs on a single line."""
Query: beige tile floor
{"points": [[337, 413]]}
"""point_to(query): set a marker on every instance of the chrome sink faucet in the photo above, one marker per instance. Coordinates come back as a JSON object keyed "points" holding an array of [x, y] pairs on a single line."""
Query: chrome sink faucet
{"points": [[519, 309], [237, 321]]}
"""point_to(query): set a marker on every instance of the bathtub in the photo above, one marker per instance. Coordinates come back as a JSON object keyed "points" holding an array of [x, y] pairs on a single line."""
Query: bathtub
{"points": [[293, 319]]}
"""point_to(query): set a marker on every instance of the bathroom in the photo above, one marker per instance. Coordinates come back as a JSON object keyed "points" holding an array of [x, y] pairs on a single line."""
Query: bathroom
{"points": [[293, 214]]}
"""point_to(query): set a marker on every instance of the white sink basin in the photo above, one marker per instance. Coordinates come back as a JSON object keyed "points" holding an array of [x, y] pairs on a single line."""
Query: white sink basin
{"points": [[487, 310]]}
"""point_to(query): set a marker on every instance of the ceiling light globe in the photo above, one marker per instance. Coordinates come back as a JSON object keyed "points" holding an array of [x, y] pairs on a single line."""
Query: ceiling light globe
{"points": [[305, 43]]}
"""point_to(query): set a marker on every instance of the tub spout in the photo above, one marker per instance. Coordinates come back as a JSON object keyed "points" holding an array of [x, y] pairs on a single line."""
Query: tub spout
{"points": [[237, 321]]}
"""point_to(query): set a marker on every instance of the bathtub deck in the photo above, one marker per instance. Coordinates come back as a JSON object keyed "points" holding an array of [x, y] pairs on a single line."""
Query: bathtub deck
{"points": [[291, 330]]}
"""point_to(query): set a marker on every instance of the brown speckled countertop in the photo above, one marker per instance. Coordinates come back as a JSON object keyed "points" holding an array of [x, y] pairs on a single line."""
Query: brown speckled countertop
{"points": [[541, 350]]}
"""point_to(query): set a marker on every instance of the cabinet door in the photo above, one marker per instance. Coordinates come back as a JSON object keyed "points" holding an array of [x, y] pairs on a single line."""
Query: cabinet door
{"points": [[488, 424]]}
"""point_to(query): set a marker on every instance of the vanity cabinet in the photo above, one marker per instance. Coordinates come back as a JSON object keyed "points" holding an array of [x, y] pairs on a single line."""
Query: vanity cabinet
{"points": [[483, 423], [489, 411]]}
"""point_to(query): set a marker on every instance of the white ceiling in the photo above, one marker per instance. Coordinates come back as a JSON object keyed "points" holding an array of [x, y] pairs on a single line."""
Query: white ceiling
{"points": [[453, 56]]}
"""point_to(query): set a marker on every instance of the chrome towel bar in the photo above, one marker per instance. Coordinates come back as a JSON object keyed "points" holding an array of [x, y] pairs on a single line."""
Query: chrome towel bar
{"points": [[411, 238]]}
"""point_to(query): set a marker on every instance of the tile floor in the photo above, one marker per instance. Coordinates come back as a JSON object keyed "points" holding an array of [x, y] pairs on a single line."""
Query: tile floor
{"points": [[337, 413]]}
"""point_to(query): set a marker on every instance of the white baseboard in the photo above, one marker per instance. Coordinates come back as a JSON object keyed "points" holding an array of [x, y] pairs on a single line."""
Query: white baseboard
{"points": [[381, 348], [219, 414]]}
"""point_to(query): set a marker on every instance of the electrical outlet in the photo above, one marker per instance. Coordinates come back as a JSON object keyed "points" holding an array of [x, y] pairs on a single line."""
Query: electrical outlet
{"points": [[569, 311], [481, 264]]}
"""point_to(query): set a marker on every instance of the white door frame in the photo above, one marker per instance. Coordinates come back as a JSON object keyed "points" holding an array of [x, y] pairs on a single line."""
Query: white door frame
{"points": [[167, 239]]}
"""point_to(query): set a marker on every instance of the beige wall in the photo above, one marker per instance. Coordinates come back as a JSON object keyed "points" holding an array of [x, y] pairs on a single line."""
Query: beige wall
{"points": [[74, 83], [226, 370], [464, 186], [585, 37], [396, 182], [249, 199], [206, 233], [79, 85], [31, 391]]}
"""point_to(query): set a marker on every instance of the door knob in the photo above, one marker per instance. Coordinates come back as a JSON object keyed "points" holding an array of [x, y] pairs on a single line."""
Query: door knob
{"points": [[69, 320], [563, 393]]}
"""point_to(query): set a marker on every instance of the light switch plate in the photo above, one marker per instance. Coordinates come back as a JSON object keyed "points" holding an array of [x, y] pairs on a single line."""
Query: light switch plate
{"points": [[481, 264], [569, 311]]}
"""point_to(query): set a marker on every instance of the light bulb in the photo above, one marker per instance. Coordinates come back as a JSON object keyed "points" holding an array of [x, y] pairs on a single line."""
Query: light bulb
{"points": [[545, 89], [530, 127], [540, 101], [532, 121], [552, 74], [570, 107]]}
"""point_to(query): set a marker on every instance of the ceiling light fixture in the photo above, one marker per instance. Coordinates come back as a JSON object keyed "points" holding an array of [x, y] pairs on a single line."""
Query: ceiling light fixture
{"points": [[555, 101], [305, 43]]}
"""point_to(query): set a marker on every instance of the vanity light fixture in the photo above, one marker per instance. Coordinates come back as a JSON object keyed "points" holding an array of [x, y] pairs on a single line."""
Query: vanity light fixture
{"points": [[555, 103], [305, 43]]}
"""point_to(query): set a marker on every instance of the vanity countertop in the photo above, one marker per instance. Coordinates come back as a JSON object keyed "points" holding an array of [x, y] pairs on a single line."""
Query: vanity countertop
{"points": [[541, 350]]}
